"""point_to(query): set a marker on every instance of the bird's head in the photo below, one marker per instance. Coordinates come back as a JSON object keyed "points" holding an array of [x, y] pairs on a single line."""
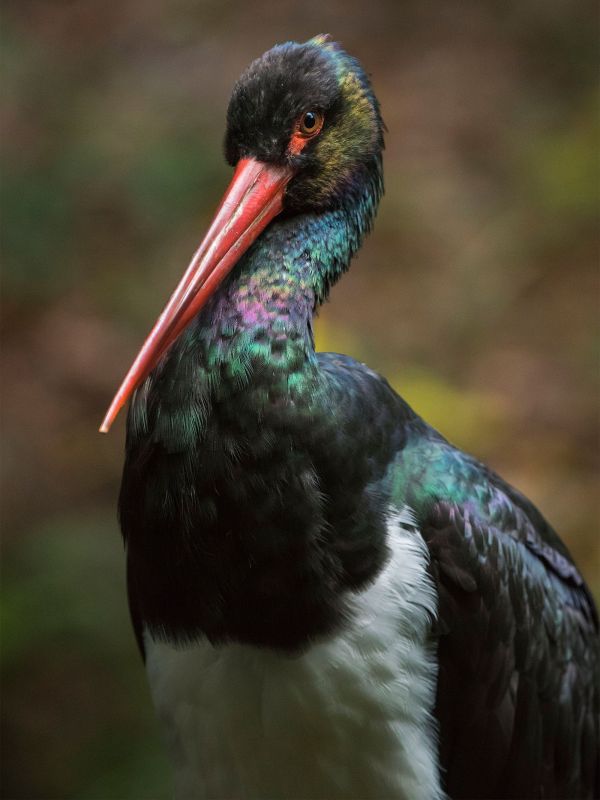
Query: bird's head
{"points": [[304, 134], [308, 108]]}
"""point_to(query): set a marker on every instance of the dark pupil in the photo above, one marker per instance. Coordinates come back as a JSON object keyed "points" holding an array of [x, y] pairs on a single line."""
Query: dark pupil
{"points": [[310, 120]]}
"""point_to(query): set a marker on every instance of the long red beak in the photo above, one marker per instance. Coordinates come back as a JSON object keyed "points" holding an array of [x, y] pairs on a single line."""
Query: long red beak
{"points": [[253, 198]]}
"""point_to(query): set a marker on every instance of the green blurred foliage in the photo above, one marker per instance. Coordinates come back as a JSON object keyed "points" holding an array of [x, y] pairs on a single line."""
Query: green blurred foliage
{"points": [[477, 296], [77, 705], [559, 170]]}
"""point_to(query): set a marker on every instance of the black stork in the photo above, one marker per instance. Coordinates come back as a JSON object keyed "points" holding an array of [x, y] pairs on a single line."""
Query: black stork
{"points": [[332, 600]]}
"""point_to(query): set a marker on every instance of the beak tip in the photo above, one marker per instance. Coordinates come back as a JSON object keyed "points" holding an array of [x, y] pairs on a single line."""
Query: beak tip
{"points": [[108, 420]]}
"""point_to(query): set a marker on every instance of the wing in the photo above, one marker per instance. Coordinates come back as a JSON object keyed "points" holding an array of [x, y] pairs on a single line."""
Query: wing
{"points": [[517, 700]]}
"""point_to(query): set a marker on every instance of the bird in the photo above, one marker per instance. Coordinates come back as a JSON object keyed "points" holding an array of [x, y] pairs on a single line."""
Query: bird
{"points": [[332, 600]]}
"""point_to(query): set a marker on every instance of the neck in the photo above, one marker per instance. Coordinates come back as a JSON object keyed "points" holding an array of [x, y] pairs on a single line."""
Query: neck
{"points": [[259, 322], [288, 272]]}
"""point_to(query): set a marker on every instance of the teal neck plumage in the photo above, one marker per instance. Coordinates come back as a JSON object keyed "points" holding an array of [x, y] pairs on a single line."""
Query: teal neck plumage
{"points": [[259, 323]]}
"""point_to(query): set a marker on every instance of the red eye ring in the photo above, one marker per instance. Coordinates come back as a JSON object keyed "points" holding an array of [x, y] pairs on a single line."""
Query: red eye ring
{"points": [[307, 127]]}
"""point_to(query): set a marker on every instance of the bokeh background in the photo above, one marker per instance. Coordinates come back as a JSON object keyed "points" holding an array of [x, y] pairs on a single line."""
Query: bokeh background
{"points": [[477, 295]]}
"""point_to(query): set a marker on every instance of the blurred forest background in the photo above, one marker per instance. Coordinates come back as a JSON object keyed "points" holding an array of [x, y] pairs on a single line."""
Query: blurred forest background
{"points": [[477, 295]]}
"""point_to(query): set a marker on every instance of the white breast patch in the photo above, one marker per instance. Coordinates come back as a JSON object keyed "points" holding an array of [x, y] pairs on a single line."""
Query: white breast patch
{"points": [[348, 718]]}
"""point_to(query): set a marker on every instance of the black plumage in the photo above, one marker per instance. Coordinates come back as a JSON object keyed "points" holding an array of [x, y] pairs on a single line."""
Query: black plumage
{"points": [[259, 475]]}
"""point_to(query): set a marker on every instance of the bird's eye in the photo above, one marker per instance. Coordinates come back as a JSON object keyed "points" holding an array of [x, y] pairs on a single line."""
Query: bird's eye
{"points": [[311, 123]]}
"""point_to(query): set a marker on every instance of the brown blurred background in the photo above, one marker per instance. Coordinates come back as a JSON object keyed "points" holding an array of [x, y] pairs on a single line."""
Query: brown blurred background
{"points": [[477, 295]]}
